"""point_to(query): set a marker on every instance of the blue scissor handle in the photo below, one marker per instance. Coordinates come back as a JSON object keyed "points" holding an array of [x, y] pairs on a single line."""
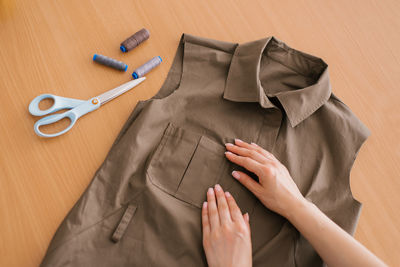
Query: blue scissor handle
{"points": [[73, 114], [59, 103]]}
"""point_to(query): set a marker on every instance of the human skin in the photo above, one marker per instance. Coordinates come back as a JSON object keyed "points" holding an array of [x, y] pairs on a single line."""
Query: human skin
{"points": [[226, 232]]}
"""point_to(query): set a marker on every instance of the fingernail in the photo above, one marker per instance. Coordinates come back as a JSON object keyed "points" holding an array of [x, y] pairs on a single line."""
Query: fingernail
{"points": [[218, 187], [229, 144], [210, 191], [254, 143], [227, 194], [228, 153], [204, 204], [247, 216], [236, 174], [238, 140]]}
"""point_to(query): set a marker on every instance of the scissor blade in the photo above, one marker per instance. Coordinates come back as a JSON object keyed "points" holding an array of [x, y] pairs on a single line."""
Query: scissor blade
{"points": [[113, 93]]}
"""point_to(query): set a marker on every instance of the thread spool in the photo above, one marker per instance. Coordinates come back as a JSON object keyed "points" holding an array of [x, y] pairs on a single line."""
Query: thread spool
{"points": [[146, 67], [135, 40], [107, 61]]}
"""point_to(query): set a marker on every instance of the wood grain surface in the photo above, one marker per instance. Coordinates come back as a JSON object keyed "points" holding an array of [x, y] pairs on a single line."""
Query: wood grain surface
{"points": [[47, 46]]}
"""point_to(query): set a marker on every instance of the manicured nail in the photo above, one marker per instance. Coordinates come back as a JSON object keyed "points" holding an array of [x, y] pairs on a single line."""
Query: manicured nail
{"points": [[254, 143], [218, 188], [210, 191], [229, 144], [204, 204], [227, 194], [238, 140], [228, 153], [236, 174]]}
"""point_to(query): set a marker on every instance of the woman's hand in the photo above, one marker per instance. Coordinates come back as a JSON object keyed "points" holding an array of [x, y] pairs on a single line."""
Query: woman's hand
{"points": [[278, 192], [276, 188], [226, 232]]}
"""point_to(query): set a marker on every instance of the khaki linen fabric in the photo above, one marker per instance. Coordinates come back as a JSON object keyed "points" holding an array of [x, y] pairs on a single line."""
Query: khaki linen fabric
{"points": [[142, 207]]}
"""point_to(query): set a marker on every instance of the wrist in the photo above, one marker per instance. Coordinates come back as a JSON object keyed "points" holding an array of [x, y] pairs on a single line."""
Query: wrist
{"points": [[297, 208]]}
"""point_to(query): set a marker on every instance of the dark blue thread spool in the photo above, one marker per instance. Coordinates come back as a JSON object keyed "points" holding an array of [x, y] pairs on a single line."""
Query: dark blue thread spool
{"points": [[110, 62]]}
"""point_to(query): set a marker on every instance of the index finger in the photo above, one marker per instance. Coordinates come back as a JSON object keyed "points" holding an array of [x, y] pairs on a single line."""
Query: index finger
{"points": [[255, 147], [234, 208], [246, 162]]}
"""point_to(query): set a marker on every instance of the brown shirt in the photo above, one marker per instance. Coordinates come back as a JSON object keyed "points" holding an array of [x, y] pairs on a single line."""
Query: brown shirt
{"points": [[142, 207]]}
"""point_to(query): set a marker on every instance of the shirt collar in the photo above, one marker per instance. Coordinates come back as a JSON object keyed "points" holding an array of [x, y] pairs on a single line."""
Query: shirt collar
{"points": [[243, 83]]}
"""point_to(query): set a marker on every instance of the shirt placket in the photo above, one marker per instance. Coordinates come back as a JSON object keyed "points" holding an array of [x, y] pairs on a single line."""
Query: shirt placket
{"points": [[270, 127]]}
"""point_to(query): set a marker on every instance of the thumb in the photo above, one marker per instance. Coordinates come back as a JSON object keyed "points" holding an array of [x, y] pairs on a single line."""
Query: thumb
{"points": [[246, 218], [248, 182]]}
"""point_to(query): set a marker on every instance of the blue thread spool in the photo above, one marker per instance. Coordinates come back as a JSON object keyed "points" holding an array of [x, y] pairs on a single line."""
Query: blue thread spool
{"points": [[146, 67], [110, 62]]}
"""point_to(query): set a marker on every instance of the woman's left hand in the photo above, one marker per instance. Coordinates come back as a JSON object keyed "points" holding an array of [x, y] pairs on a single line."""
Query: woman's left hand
{"points": [[226, 232]]}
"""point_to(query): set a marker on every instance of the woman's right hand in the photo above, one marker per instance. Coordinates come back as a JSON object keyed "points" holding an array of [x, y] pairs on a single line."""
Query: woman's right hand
{"points": [[276, 188], [278, 192]]}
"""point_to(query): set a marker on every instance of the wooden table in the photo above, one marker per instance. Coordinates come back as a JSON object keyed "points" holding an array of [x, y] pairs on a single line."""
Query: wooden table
{"points": [[47, 46]]}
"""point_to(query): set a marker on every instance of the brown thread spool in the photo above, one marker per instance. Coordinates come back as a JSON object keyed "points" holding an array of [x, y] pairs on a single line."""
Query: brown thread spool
{"points": [[135, 40]]}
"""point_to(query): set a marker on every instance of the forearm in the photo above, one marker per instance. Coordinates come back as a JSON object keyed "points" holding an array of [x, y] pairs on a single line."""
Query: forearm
{"points": [[278, 192], [335, 246]]}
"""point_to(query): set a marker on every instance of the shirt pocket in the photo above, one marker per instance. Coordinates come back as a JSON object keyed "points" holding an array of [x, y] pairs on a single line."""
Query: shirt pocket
{"points": [[185, 164]]}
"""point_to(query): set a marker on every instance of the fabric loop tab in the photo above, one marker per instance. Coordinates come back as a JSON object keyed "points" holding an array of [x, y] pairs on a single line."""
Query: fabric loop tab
{"points": [[123, 224]]}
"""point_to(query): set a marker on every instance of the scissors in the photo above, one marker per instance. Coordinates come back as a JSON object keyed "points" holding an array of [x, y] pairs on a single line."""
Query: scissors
{"points": [[77, 108]]}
